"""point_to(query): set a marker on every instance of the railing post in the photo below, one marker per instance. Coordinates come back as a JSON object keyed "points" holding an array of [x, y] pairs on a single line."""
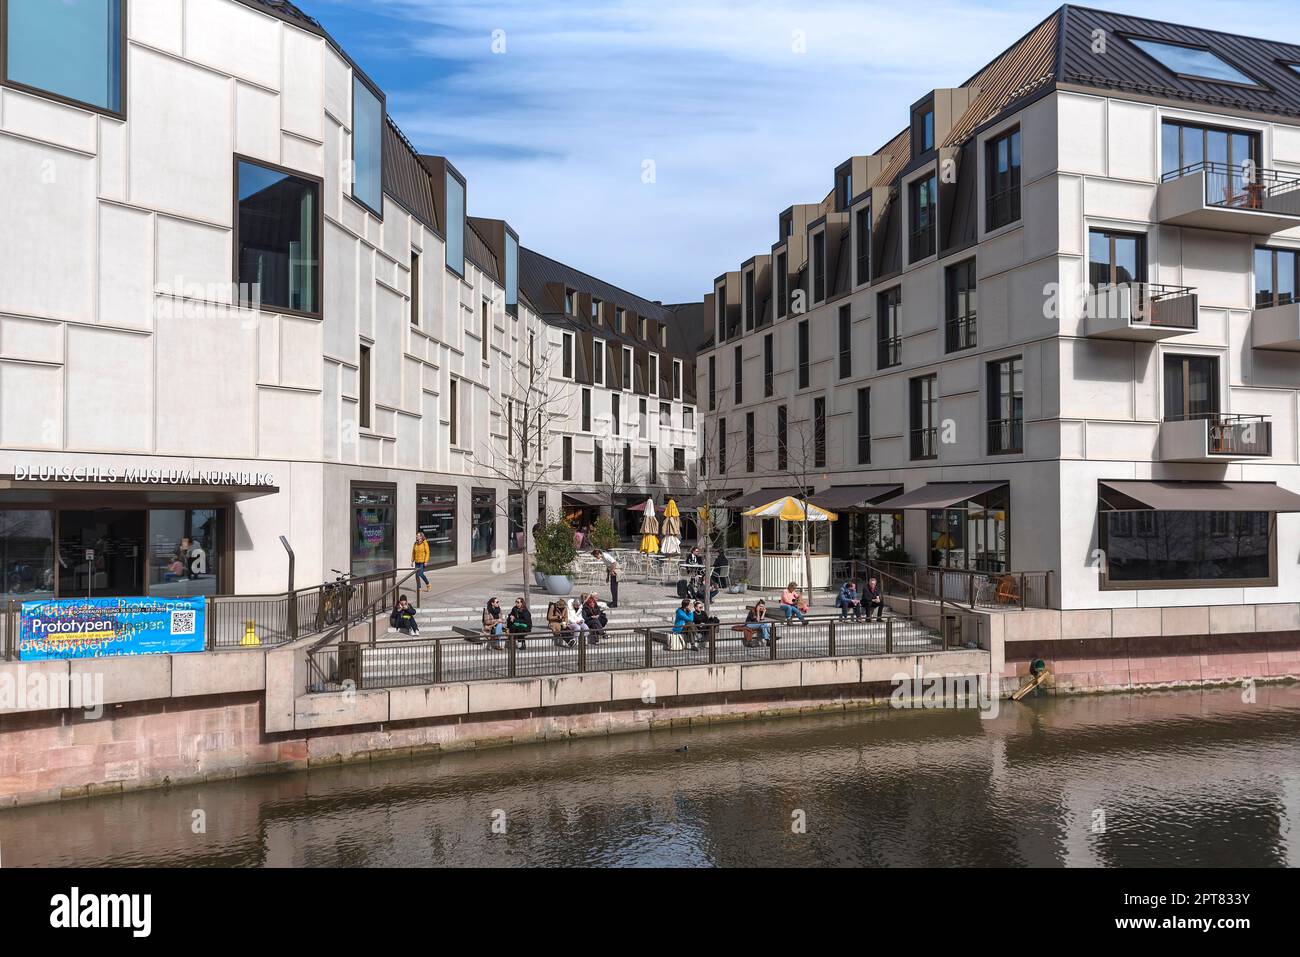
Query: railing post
{"points": [[713, 644], [649, 648], [209, 616], [831, 642], [437, 662], [512, 658], [889, 636], [771, 648], [970, 588], [1022, 591], [374, 616], [582, 651]]}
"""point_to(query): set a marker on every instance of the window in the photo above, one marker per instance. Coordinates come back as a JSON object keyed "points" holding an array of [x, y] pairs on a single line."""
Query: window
{"points": [[485, 330], [679, 460], [654, 374], [627, 368], [72, 50], [653, 464], [363, 395], [541, 436], [453, 413], [844, 189], [367, 147], [738, 363], [782, 284], [627, 463], [749, 441], [819, 432], [1195, 62], [1006, 406], [803, 353], [769, 367], [959, 325], [374, 546], [483, 524], [1002, 180], [923, 129], [512, 274], [516, 521], [566, 355], [435, 515], [566, 463], [1116, 258], [1186, 147], [415, 288], [846, 343], [1156, 549], [598, 361], [620, 320], [819, 266], [595, 310], [889, 344], [569, 299], [921, 216], [665, 415], [642, 420], [782, 438], [864, 426], [1191, 388], [598, 462], [677, 380], [749, 301], [713, 379], [925, 417], [510, 427], [688, 417], [615, 410], [862, 236], [641, 328], [455, 224], [1277, 276], [722, 446], [586, 410], [277, 240]]}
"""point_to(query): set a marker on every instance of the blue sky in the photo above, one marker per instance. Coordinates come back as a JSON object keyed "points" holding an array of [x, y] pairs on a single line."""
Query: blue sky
{"points": [[554, 133]]}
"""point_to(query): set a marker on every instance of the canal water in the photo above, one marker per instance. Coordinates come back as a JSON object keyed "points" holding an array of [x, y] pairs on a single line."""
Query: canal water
{"points": [[1181, 778]]}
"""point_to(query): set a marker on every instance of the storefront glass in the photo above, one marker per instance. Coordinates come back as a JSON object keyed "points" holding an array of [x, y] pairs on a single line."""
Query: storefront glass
{"points": [[974, 535], [27, 554], [373, 548], [869, 536], [101, 553], [1204, 548], [435, 515], [483, 525], [517, 519], [184, 551]]}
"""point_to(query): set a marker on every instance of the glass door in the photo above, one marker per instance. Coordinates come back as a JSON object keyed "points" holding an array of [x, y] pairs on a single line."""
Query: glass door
{"points": [[101, 553]]}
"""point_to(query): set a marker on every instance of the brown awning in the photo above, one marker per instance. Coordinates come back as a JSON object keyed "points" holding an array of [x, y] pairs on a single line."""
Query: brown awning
{"points": [[589, 499], [763, 496], [847, 498], [693, 502], [938, 495], [1133, 496]]}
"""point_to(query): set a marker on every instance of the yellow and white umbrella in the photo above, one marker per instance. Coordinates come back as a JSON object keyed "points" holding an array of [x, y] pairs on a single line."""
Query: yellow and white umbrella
{"points": [[791, 509], [649, 529]]}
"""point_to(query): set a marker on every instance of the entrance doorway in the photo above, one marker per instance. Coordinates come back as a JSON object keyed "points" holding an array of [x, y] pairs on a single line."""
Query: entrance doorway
{"points": [[101, 553]]}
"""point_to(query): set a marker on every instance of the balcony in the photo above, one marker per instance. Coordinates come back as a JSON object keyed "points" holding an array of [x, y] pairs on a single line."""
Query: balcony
{"points": [[1006, 436], [925, 443], [1276, 327], [959, 333], [1215, 437], [889, 352], [1140, 311], [1217, 196]]}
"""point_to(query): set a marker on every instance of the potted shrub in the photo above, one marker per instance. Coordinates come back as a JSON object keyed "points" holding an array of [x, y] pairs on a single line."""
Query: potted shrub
{"points": [[604, 535], [555, 555]]}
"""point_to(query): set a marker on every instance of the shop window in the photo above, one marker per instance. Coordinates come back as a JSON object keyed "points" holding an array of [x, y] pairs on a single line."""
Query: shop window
{"points": [[482, 541], [435, 515], [185, 552], [27, 554], [373, 546]]}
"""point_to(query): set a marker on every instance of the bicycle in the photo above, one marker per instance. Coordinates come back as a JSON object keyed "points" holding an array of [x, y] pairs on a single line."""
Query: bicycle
{"points": [[336, 597]]}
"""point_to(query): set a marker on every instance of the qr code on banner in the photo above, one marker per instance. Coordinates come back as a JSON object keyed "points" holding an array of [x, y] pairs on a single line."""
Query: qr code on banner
{"points": [[182, 623]]}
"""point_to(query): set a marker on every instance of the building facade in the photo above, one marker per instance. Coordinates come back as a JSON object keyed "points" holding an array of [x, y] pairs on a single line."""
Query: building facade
{"points": [[1050, 326], [236, 304]]}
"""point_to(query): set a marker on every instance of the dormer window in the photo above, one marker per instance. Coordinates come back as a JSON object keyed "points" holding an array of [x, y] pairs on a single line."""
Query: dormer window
{"points": [[641, 328], [786, 225], [620, 319], [663, 337], [819, 266], [921, 218], [923, 128], [1197, 63], [569, 296], [749, 300], [1002, 182], [844, 189], [595, 310]]}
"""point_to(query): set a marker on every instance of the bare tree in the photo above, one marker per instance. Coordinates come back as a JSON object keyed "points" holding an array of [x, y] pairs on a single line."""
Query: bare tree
{"points": [[618, 474], [531, 399], [716, 479], [800, 459]]}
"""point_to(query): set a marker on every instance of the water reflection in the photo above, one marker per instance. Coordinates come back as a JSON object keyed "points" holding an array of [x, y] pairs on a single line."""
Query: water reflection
{"points": [[1183, 778]]}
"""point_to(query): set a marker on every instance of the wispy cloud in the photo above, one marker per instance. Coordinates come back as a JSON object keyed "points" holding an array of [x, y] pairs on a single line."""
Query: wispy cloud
{"points": [[743, 107]]}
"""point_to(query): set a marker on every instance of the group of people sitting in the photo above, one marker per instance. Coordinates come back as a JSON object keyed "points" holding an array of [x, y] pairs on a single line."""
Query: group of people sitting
{"points": [[689, 624], [568, 619], [867, 603]]}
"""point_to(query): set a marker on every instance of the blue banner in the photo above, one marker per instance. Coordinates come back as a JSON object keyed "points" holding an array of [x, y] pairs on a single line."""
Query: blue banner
{"points": [[106, 627]]}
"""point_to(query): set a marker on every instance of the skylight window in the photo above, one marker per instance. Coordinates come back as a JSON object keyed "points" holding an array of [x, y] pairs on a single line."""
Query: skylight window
{"points": [[1195, 62]]}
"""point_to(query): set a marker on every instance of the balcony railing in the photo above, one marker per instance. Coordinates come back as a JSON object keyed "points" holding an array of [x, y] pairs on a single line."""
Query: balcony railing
{"points": [[889, 352], [1002, 208], [1167, 307], [925, 443], [1213, 435], [1006, 436], [921, 243], [959, 333], [1235, 187]]}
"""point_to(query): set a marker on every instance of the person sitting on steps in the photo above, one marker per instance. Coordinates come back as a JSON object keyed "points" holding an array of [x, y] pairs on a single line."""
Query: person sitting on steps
{"points": [[874, 599], [793, 604], [595, 618], [494, 625], [520, 622], [758, 630], [684, 627], [403, 617], [556, 618], [573, 619]]}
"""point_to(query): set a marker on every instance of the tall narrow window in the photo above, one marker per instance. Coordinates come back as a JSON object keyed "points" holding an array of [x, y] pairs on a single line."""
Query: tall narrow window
{"points": [[586, 410], [641, 328], [566, 466], [71, 49], [722, 446], [653, 384], [570, 299], [1002, 180], [598, 361], [415, 288], [921, 218], [769, 367], [889, 317], [749, 301], [642, 420], [959, 325], [1277, 276], [453, 412], [484, 330], [846, 343], [277, 241], [455, 224], [363, 397], [803, 353], [819, 266], [598, 462], [688, 417], [652, 464], [512, 274], [1006, 398], [627, 463], [782, 284], [510, 427], [738, 365], [819, 433], [844, 188], [367, 146], [862, 237], [864, 426], [713, 381], [923, 128], [627, 369], [782, 438], [595, 310], [1191, 387], [566, 355], [925, 417], [615, 411], [677, 380], [679, 460], [749, 441]]}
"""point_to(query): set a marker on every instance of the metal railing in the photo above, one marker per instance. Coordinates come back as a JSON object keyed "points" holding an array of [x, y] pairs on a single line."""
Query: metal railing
{"points": [[959, 333], [443, 658], [1171, 307], [1245, 187], [991, 588], [1002, 208], [921, 242], [889, 351], [925, 443], [1233, 434], [1006, 436]]}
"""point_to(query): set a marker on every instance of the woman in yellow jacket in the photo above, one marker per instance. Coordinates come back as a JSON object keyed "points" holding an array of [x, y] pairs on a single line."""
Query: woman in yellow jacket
{"points": [[420, 558]]}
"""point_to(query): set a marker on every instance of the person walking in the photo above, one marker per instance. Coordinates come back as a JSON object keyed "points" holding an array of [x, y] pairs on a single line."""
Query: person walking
{"points": [[420, 558], [875, 599], [790, 599], [520, 622], [611, 574]]}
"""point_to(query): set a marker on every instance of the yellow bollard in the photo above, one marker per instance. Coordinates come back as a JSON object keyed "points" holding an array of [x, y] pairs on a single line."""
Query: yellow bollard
{"points": [[250, 636]]}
